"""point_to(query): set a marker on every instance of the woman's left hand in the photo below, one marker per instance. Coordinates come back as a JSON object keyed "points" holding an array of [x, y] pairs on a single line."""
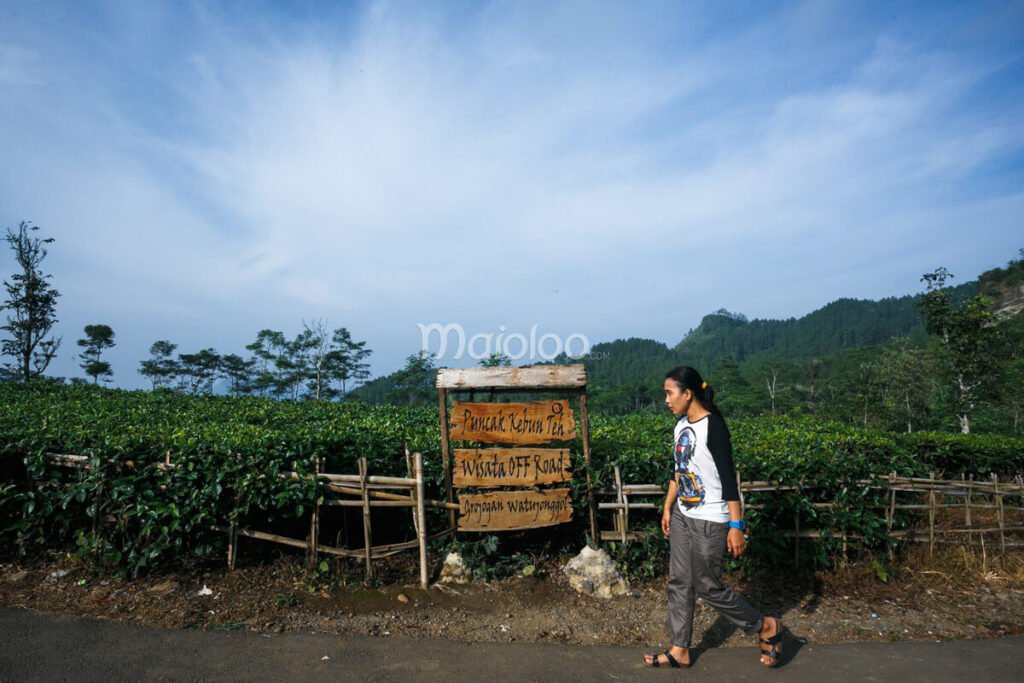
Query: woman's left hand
{"points": [[736, 542]]}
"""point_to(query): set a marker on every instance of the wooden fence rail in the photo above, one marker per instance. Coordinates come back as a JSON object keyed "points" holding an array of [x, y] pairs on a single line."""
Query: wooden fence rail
{"points": [[982, 494]]}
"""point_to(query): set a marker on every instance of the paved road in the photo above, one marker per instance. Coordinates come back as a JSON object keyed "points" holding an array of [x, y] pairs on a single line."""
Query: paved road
{"points": [[44, 647]]}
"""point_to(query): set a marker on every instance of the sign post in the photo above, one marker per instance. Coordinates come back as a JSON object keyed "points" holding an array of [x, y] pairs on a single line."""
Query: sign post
{"points": [[525, 455]]}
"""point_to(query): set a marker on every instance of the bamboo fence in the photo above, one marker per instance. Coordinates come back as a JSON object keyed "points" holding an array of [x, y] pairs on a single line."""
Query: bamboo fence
{"points": [[336, 490], [991, 507]]}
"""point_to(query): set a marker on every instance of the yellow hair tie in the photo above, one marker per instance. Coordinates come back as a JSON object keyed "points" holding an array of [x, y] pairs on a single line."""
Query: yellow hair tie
{"points": [[703, 385]]}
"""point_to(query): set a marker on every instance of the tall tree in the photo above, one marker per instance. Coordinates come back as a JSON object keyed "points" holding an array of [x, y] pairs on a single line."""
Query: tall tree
{"points": [[907, 373], [198, 371], [32, 307], [346, 359], [269, 353], [97, 339], [315, 345], [239, 373], [161, 368], [968, 338]]}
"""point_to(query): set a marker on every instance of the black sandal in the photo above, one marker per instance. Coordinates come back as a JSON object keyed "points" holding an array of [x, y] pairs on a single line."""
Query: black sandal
{"points": [[656, 663], [774, 644]]}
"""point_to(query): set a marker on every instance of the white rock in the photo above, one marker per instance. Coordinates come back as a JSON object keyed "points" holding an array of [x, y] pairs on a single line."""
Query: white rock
{"points": [[593, 572], [454, 571]]}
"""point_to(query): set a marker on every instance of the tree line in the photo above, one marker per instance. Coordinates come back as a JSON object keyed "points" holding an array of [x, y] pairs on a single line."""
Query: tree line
{"points": [[316, 363], [951, 358]]}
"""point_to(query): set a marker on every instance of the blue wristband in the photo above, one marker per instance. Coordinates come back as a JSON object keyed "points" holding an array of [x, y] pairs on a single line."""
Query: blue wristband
{"points": [[741, 525]]}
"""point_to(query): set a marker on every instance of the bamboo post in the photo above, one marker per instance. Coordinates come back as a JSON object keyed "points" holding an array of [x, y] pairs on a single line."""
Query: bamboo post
{"points": [[890, 515], [585, 425], [413, 493], [232, 545], [421, 515], [967, 505], [999, 511], [931, 514], [96, 511], [620, 513], [367, 535], [314, 519], [743, 503], [625, 515], [442, 411]]}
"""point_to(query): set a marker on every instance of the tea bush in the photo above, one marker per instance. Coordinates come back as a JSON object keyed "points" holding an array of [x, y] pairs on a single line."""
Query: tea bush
{"points": [[228, 451]]}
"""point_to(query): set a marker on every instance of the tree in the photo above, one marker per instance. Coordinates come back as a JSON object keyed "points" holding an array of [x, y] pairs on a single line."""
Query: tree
{"points": [[812, 385], [968, 338], [239, 373], [771, 382], [733, 392], [268, 351], [907, 373], [314, 345], [1013, 395], [97, 338], [496, 360], [32, 305], [198, 371], [414, 384], [345, 360], [161, 368]]}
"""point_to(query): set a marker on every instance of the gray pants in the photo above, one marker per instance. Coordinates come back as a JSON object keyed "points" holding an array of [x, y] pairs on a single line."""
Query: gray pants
{"points": [[697, 548]]}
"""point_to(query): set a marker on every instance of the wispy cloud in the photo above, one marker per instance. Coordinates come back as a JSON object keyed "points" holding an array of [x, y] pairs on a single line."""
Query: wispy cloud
{"points": [[397, 164]]}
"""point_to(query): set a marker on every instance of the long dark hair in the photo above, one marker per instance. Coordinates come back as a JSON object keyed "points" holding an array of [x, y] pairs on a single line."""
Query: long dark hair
{"points": [[688, 378]]}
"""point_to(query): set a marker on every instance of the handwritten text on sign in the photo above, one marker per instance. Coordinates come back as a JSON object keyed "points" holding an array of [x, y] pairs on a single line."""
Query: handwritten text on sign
{"points": [[510, 466], [504, 510], [520, 423]]}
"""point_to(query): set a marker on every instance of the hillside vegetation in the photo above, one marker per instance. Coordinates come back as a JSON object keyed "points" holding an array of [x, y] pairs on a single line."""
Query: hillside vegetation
{"points": [[228, 451]]}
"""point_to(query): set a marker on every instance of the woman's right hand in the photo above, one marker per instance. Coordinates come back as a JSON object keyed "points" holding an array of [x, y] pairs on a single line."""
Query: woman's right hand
{"points": [[666, 522]]}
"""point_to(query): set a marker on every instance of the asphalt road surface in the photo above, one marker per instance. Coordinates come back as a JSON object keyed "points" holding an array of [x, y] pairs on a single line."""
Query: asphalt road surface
{"points": [[45, 647]]}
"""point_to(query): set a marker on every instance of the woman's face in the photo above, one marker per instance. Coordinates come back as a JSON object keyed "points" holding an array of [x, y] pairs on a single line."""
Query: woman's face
{"points": [[678, 400]]}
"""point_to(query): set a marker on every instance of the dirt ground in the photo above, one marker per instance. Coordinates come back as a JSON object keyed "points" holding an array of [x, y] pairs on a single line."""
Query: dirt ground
{"points": [[955, 598]]}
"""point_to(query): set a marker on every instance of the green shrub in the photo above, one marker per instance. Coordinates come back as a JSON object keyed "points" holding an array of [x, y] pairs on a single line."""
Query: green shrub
{"points": [[227, 453]]}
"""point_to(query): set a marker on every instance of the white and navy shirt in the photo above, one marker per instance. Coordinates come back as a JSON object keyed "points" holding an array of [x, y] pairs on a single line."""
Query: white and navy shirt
{"points": [[704, 471]]}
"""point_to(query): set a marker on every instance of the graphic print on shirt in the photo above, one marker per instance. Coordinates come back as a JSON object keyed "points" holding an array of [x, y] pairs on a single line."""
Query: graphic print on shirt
{"points": [[689, 485]]}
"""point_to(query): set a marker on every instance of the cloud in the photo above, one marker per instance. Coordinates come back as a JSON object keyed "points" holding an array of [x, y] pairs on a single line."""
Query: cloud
{"points": [[396, 164]]}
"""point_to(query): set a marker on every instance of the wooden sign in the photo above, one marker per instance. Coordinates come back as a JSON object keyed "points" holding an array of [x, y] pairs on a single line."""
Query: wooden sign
{"points": [[511, 466], [506, 510], [529, 376], [519, 423]]}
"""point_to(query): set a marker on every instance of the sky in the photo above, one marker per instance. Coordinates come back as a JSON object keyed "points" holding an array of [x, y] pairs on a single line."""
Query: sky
{"points": [[605, 170]]}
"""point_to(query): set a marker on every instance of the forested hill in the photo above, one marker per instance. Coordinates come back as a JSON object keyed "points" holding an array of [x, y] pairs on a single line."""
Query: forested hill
{"points": [[631, 366], [842, 324]]}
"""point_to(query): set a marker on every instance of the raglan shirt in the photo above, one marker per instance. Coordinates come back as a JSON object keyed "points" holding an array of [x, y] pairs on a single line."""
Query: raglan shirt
{"points": [[704, 470]]}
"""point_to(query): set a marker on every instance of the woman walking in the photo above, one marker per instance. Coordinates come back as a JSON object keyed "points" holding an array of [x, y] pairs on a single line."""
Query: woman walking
{"points": [[702, 519]]}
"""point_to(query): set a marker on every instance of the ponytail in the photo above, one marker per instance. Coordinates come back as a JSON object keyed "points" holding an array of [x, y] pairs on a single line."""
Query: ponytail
{"points": [[688, 378]]}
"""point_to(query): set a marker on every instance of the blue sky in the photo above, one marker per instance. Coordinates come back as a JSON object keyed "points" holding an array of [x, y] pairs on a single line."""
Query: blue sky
{"points": [[608, 169]]}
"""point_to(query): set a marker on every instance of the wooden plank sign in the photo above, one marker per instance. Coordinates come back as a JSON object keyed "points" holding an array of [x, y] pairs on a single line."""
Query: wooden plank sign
{"points": [[507, 510], [530, 376], [533, 422], [511, 466]]}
